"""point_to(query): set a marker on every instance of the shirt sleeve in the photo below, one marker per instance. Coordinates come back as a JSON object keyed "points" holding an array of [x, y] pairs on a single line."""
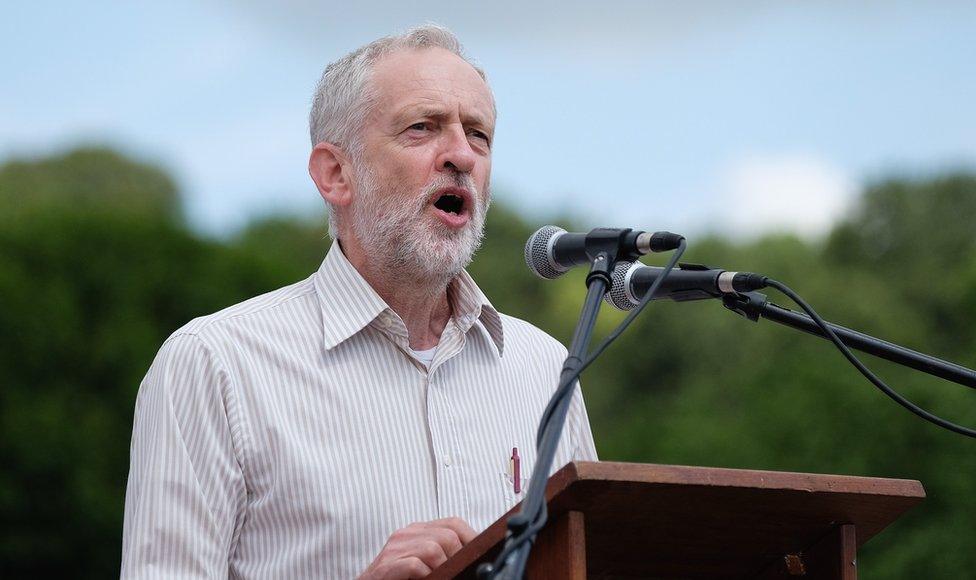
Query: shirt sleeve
{"points": [[185, 497], [585, 449]]}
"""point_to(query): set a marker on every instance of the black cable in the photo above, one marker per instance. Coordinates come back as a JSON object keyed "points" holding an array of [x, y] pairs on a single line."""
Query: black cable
{"points": [[877, 382], [651, 292], [612, 336], [538, 522], [566, 388]]}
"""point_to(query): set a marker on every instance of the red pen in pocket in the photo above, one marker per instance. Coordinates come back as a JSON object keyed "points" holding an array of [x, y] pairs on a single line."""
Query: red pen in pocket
{"points": [[516, 471]]}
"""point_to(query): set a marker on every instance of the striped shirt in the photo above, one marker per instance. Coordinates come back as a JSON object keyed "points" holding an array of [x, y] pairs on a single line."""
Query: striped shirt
{"points": [[288, 436]]}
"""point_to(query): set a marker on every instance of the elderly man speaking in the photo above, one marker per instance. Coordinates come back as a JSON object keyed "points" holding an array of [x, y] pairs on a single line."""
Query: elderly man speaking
{"points": [[370, 419]]}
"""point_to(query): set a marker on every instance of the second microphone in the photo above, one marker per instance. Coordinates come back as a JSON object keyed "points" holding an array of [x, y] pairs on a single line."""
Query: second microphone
{"points": [[631, 282]]}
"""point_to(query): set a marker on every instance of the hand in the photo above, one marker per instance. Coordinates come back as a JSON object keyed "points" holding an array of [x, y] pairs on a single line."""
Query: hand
{"points": [[414, 551]]}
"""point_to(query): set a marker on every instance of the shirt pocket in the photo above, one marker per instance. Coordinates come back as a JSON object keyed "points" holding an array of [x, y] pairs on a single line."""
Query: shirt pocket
{"points": [[508, 487]]}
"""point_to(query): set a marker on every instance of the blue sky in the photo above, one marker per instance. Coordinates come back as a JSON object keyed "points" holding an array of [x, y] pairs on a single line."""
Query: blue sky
{"points": [[741, 117]]}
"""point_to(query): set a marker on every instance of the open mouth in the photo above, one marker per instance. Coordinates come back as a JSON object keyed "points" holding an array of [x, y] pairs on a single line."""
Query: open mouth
{"points": [[450, 203]]}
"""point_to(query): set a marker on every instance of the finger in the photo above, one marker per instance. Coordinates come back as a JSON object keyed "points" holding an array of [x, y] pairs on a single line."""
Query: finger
{"points": [[411, 567], [446, 538], [465, 532], [430, 551], [436, 543]]}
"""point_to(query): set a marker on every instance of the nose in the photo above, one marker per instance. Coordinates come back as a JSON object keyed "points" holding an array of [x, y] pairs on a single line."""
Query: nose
{"points": [[456, 153]]}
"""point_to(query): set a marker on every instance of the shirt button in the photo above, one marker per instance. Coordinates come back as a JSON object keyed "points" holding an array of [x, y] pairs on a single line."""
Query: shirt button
{"points": [[447, 460]]}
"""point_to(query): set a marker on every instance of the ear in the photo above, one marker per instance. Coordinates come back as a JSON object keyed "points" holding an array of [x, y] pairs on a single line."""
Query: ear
{"points": [[330, 170]]}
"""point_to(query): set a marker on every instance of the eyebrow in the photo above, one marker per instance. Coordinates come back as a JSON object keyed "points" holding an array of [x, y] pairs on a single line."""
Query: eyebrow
{"points": [[435, 112]]}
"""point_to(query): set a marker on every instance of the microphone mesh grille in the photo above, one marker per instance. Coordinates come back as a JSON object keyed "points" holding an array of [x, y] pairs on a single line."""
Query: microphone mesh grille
{"points": [[537, 253], [618, 295]]}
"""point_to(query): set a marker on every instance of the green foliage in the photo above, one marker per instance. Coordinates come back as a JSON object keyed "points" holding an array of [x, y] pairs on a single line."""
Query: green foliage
{"points": [[922, 232], [97, 268], [88, 297], [86, 179]]}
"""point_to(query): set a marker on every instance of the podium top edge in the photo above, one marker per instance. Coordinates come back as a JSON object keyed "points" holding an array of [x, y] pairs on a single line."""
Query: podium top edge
{"points": [[648, 473]]}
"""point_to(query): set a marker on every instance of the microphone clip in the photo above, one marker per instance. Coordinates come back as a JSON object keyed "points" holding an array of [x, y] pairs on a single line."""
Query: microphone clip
{"points": [[749, 305], [613, 242], [605, 246]]}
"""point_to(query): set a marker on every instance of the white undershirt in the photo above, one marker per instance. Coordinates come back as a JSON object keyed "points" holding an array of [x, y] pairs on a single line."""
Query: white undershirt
{"points": [[424, 356]]}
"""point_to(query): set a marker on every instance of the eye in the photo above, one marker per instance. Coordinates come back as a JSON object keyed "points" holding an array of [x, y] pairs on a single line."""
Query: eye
{"points": [[480, 135], [419, 126]]}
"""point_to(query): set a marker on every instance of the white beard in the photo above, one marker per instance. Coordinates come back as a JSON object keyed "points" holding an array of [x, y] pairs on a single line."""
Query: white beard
{"points": [[396, 231]]}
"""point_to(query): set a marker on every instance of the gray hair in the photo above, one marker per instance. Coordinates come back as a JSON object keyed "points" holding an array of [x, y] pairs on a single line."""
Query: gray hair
{"points": [[343, 97]]}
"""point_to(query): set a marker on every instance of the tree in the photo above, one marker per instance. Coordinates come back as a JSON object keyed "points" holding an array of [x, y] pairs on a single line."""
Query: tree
{"points": [[97, 268], [86, 179], [90, 290]]}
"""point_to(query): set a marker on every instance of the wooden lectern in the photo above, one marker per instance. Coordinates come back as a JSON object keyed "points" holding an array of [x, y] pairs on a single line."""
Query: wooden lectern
{"points": [[628, 520]]}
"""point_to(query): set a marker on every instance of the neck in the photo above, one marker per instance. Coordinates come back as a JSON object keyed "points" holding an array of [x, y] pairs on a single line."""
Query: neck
{"points": [[419, 300]]}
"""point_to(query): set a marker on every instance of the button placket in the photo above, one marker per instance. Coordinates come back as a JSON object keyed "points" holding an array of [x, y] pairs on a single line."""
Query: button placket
{"points": [[439, 438], [449, 472]]}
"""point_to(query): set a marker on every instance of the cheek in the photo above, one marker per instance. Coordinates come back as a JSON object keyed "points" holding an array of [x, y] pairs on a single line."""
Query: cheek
{"points": [[413, 169], [485, 178]]}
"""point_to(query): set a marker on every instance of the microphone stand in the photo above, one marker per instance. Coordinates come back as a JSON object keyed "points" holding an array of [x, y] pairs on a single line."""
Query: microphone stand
{"points": [[754, 305], [530, 519]]}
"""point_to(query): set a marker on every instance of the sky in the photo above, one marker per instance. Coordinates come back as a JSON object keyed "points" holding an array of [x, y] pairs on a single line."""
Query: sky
{"points": [[738, 117]]}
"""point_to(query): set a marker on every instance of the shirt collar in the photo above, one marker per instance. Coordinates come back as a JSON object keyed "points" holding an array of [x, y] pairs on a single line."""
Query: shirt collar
{"points": [[469, 304], [349, 303]]}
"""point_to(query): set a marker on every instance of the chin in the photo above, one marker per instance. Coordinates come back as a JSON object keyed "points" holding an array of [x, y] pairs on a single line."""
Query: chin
{"points": [[441, 257]]}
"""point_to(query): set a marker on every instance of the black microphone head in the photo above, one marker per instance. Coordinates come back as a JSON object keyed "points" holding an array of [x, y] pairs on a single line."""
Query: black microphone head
{"points": [[538, 252], [619, 296]]}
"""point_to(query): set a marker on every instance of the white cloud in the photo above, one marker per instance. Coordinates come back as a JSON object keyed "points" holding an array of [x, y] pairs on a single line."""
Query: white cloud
{"points": [[783, 192]]}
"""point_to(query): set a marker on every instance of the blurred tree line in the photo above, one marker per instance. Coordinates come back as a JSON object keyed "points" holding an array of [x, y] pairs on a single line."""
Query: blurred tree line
{"points": [[98, 266]]}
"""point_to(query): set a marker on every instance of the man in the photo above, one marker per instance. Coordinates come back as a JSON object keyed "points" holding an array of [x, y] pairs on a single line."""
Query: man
{"points": [[362, 421]]}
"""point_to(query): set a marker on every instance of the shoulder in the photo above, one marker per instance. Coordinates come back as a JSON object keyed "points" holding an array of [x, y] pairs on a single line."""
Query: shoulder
{"points": [[211, 345], [525, 335], [287, 316], [260, 309]]}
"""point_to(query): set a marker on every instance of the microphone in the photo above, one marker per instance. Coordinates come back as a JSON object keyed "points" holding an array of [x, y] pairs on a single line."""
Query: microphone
{"points": [[551, 251], [631, 283]]}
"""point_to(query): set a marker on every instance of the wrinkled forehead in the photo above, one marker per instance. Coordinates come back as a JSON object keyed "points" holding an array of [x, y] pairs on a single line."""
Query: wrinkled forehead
{"points": [[429, 78]]}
